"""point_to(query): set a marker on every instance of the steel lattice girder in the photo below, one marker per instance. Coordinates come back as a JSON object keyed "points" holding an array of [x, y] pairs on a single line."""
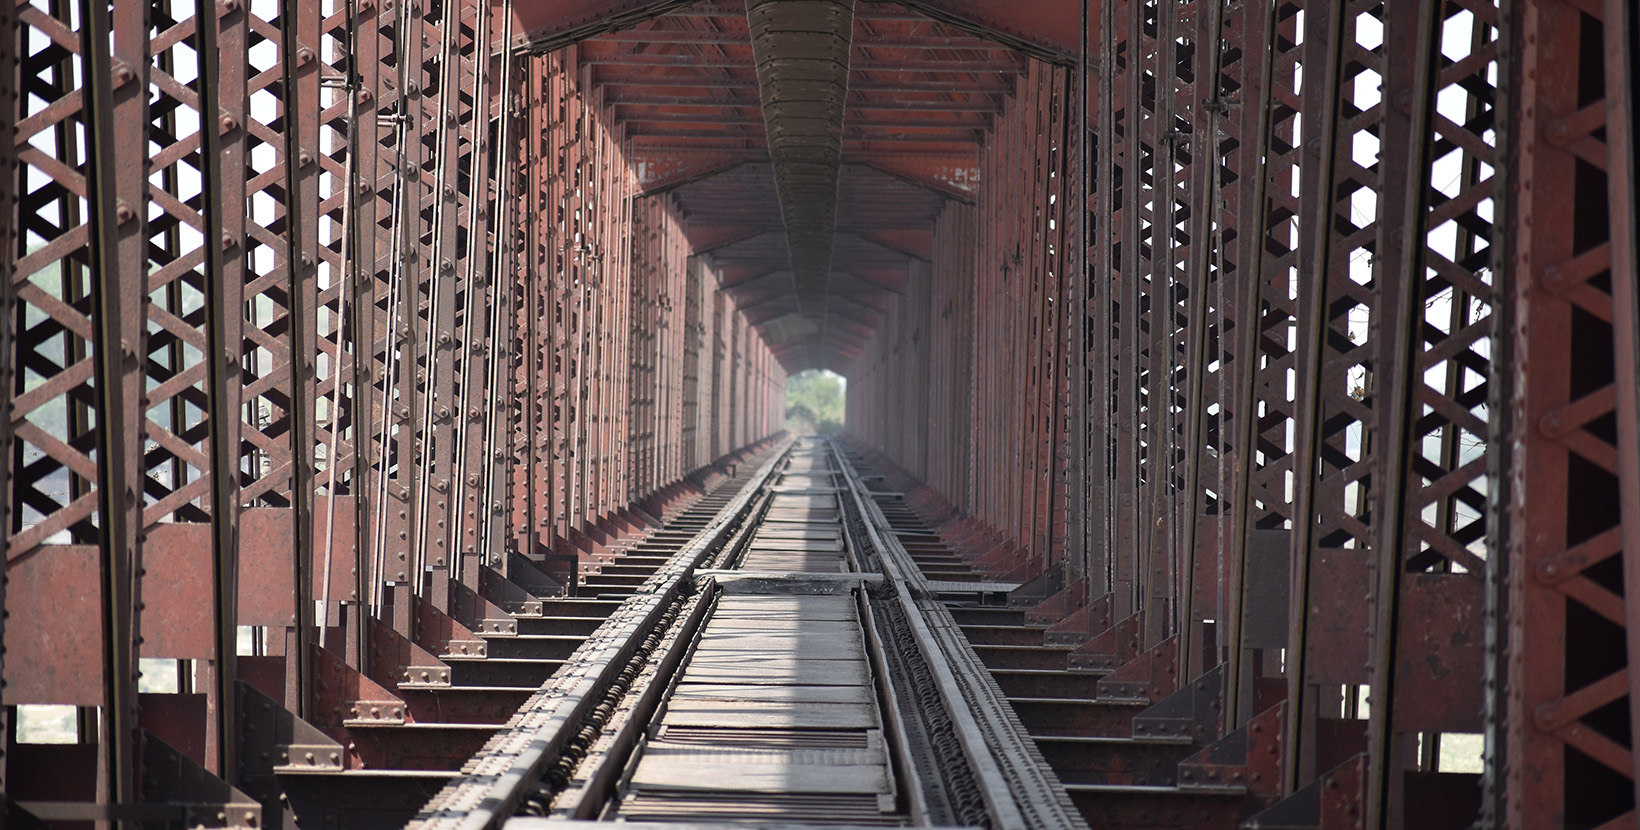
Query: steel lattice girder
{"points": [[1345, 404], [1348, 350], [346, 368]]}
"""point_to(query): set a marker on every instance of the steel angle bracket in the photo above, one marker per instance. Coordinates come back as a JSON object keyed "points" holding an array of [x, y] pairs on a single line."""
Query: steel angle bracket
{"points": [[170, 776]]}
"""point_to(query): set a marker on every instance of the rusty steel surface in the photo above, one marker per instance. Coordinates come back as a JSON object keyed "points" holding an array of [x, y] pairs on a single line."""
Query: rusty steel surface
{"points": [[801, 49], [338, 342], [1326, 301], [788, 665], [1277, 358]]}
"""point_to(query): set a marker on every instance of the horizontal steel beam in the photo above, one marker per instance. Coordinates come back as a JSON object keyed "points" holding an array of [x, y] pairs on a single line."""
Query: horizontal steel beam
{"points": [[739, 58], [736, 38], [861, 82], [552, 25], [728, 118]]}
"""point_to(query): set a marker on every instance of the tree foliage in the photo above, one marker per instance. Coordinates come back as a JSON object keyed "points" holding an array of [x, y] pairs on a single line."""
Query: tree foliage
{"points": [[814, 402]]}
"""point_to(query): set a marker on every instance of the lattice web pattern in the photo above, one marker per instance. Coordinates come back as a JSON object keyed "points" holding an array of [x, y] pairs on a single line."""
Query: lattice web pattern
{"points": [[54, 475]]}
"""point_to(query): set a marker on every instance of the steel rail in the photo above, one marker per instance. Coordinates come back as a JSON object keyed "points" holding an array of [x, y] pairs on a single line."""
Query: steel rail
{"points": [[1019, 788], [627, 671], [603, 776], [496, 780]]}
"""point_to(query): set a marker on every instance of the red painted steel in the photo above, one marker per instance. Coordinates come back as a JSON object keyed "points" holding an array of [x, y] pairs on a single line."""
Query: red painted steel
{"points": [[1300, 291], [313, 363], [1283, 352], [1571, 556]]}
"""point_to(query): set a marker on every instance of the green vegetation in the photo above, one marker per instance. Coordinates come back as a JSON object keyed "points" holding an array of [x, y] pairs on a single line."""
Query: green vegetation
{"points": [[814, 402]]}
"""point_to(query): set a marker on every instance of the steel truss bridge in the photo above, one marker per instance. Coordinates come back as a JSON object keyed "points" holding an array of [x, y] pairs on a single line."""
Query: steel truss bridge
{"points": [[1243, 426]]}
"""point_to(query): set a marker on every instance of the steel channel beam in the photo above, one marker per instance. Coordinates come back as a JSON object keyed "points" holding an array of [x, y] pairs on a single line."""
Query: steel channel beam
{"points": [[1572, 223], [1266, 255], [483, 272], [1325, 88], [447, 71], [300, 43], [1621, 36], [1128, 223], [222, 154], [361, 245], [10, 220], [117, 172]]}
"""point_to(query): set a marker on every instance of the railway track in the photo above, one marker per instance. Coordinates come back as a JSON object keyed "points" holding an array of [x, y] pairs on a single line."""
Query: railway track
{"points": [[790, 664]]}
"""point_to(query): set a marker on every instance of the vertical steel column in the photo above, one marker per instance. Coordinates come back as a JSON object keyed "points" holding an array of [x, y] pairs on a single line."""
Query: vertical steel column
{"points": [[1204, 273], [301, 41], [221, 100], [1271, 220], [336, 386], [1027, 319], [593, 420], [439, 410], [1158, 322], [1339, 332], [1570, 570], [981, 478], [364, 243], [1621, 30], [1161, 457], [1085, 438], [576, 250], [643, 294], [1126, 222], [11, 174], [537, 368], [482, 274], [694, 403], [397, 84], [1102, 218], [115, 105], [515, 254], [1438, 428]]}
